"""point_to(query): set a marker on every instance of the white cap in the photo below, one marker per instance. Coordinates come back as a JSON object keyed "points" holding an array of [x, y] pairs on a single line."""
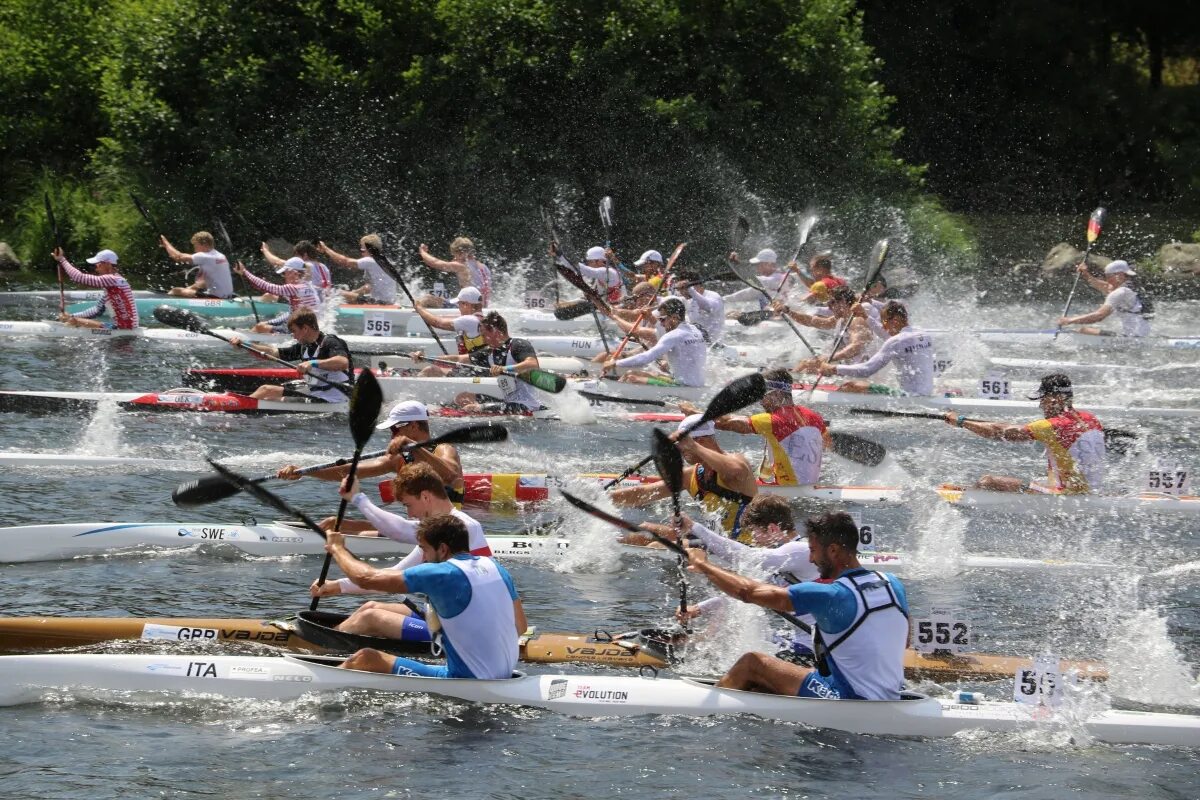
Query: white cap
{"points": [[649, 255], [1117, 267], [405, 411], [707, 429], [468, 294], [104, 256], [294, 263], [766, 255], [596, 254]]}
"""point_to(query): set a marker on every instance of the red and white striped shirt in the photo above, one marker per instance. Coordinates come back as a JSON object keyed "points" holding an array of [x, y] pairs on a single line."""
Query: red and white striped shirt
{"points": [[117, 293], [299, 295]]}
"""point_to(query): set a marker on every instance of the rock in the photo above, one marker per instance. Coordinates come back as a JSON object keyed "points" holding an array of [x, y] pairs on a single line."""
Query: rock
{"points": [[1180, 257], [1064, 257], [8, 259]]}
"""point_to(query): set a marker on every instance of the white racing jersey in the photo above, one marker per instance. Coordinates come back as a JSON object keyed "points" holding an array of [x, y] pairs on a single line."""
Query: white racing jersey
{"points": [[383, 288], [911, 351], [707, 312], [1127, 308], [218, 280], [685, 351]]}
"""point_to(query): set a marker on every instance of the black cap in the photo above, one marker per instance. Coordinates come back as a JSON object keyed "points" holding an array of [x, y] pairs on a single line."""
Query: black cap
{"points": [[1058, 384], [672, 307]]}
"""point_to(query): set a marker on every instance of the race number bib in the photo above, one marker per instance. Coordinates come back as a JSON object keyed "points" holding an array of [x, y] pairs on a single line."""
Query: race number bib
{"points": [[507, 384], [439, 290], [995, 386], [866, 532], [536, 301], [1168, 478], [940, 365], [1040, 684], [377, 324], [943, 631]]}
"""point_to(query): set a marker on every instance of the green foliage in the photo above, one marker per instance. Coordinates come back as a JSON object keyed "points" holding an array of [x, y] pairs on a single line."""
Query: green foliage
{"points": [[937, 233]]}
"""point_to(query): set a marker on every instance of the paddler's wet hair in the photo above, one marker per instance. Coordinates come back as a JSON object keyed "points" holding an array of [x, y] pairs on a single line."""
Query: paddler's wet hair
{"points": [[445, 529], [371, 241], [462, 245], [823, 260], [894, 310], [203, 239], [415, 478], [305, 249], [768, 508], [494, 321], [305, 318], [843, 294], [836, 527]]}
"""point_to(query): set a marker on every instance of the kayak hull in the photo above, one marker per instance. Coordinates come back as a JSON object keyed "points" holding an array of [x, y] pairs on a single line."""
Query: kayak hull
{"points": [[1038, 503]]}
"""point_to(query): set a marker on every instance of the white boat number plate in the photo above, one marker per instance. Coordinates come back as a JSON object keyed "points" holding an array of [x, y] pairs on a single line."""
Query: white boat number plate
{"points": [[940, 365], [1041, 684], [995, 386], [866, 533], [945, 630], [439, 290], [535, 301], [1168, 479], [507, 384], [377, 324]]}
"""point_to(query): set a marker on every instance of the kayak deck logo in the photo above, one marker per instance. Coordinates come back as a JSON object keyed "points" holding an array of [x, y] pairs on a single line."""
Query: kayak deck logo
{"points": [[586, 692]]}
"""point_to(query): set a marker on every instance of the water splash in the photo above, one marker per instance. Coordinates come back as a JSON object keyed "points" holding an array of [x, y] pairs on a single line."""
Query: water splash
{"points": [[1140, 647]]}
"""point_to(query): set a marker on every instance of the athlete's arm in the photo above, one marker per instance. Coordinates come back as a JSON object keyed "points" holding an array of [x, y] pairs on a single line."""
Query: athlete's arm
{"points": [[867, 368], [519, 617], [444, 459], [345, 262], [364, 575], [271, 258], [1083, 319], [860, 337], [436, 321], [432, 261], [172, 253], [646, 493], [745, 589], [991, 430], [392, 526], [732, 466]]}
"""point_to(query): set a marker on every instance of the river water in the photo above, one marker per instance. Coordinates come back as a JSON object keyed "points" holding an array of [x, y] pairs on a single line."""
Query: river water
{"points": [[1141, 617]]}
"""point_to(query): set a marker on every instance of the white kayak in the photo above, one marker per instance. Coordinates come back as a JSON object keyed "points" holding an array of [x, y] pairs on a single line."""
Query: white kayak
{"points": [[1037, 503], [70, 295], [1043, 366], [76, 461], [1074, 339], [29, 678], [976, 405]]}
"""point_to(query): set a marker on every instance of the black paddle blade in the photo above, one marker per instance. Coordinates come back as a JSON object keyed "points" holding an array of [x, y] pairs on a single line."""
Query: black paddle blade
{"points": [[471, 434], [365, 402], [668, 461], [265, 496], [143, 211], [180, 318], [573, 310], [738, 393], [208, 489], [749, 318], [50, 218], [741, 229], [857, 449], [601, 514], [879, 254]]}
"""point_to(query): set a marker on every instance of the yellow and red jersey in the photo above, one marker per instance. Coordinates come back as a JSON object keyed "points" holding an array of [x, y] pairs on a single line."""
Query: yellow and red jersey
{"points": [[795, 443], [1074, 442]]}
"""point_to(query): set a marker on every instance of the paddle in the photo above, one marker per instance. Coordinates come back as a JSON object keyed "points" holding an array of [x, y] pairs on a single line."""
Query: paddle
{"points": [[608, 398], [265, 496], [387, 267], [210, 489], [365, 403], [62, 294], [146, 215], [1095, 225], [573, 310], [227, 243], [186, 320], [649, 306], [857, 449], [751, 280], [804, 226], [668, 461], [575, 279], [737, 394], [879, 254], [542, 379], [1116, 438]]}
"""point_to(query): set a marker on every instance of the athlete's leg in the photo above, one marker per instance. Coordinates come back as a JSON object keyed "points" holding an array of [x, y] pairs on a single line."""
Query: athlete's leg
{"points": [[1001, 483], [759, 672]]}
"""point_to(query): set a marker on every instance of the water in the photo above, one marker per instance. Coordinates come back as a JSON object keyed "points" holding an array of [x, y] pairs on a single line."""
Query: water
{"points": [[1142, 618]]}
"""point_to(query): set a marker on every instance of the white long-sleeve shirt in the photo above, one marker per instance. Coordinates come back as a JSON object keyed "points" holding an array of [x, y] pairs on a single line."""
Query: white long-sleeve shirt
{"points": [[685, 351], [785, 564], [911, 350], [707, 312], [770, 282]]}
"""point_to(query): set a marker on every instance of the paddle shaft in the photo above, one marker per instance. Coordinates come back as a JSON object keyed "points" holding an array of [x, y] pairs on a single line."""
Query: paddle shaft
{"points": [[62, 293], [387, 267], [881, 412], [581, 285], [666, 273], [790, 323], [228, 243], [1095, 226], [478, 368], [337, 525], [345, 387]]}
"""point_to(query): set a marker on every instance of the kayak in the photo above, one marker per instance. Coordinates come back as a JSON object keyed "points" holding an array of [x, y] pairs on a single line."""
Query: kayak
{"points": [[73, 460], [1040, 338], [630, 649], [70, 295], [1039, 503], [185, 400], [206, 306], [978, 405], [1044, 366], [30, 678]]}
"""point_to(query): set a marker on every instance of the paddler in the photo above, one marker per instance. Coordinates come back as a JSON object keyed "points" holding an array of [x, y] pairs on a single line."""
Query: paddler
{"points": [[796, 436], [117, 293], [408, 424], [823, 281], [464, 265], [320, 355], [722, 482], [766, 267], [420, 489], [314, 270], [476, 603], [861, 616], [505, 357], [1120, 297], [1074, 442], [908, 347], [605, 278], [214, 279], [466, 327], [681, 344], [705, 308], [300, 293], [842, 313], [380, 288], [651, 264]]}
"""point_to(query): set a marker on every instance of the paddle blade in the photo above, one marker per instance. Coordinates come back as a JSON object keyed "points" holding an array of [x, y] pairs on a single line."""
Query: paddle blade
{"points": [[573, 310], [674, 256], [365, 402], [746, 275], [142, 210], [741, 229], [265, 496], [201, 491], [668, 461], [803, 229], [50, 218], [606, 209], [550, 382], [1095, 224], [879, 254], [749, 318], [737, 394], [857, 449], [180, 318], [226, 242], [611, 519], [471, 434]]}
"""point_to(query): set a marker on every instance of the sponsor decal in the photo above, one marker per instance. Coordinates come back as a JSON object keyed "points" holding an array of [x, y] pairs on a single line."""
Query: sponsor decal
{"points": [[532, 481], [963, 707], [881, 558], [181, 399], [251, 672], [156, 668], [585, 344], [156, 633], [100, 332], [585, 692], [558, 688], [287, 539], [605, 652], [211, 534], [243, 635], [201, 669], [292, 678]]}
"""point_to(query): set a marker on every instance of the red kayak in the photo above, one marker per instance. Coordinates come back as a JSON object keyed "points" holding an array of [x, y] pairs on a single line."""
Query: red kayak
{"points": [[246, 380]]}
